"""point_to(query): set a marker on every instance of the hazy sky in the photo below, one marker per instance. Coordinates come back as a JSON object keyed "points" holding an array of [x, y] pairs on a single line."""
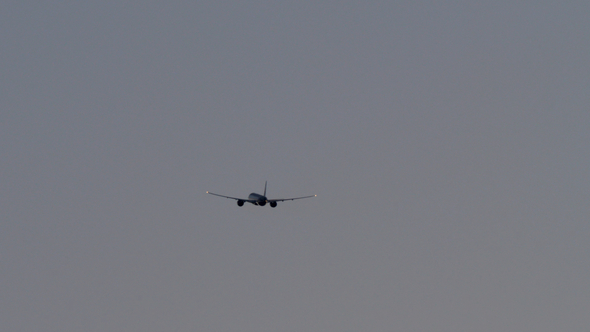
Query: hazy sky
{"points": [[448, 143]]}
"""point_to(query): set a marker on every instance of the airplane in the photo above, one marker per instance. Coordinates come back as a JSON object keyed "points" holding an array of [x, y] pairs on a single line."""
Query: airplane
{"points": [[260, 200]]}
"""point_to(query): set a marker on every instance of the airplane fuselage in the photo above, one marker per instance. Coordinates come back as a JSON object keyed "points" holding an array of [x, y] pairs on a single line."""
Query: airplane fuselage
{"points": [[260, 199]]}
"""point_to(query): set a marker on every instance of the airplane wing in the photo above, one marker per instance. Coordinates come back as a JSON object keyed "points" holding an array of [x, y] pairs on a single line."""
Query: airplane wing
{"points": [[289, 199], [237, 199]]}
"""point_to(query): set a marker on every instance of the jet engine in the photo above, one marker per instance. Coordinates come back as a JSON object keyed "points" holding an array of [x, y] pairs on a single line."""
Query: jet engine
{"points": [[273, 204], [240, 202], [263, 203]]}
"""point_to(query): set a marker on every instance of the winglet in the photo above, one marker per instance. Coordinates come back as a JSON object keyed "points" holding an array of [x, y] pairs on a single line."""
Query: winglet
{"points": [[264, 189]]}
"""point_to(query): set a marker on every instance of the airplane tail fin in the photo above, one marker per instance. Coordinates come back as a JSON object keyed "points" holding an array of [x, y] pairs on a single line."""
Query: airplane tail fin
{"points": [[264, 189]]}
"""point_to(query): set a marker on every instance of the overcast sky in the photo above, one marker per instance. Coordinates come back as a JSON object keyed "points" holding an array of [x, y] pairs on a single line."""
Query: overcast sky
{"points": [[448, 143]]}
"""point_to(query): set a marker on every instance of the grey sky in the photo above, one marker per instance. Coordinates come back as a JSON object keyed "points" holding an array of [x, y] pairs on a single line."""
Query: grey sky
{"points": [[447, 142]]}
